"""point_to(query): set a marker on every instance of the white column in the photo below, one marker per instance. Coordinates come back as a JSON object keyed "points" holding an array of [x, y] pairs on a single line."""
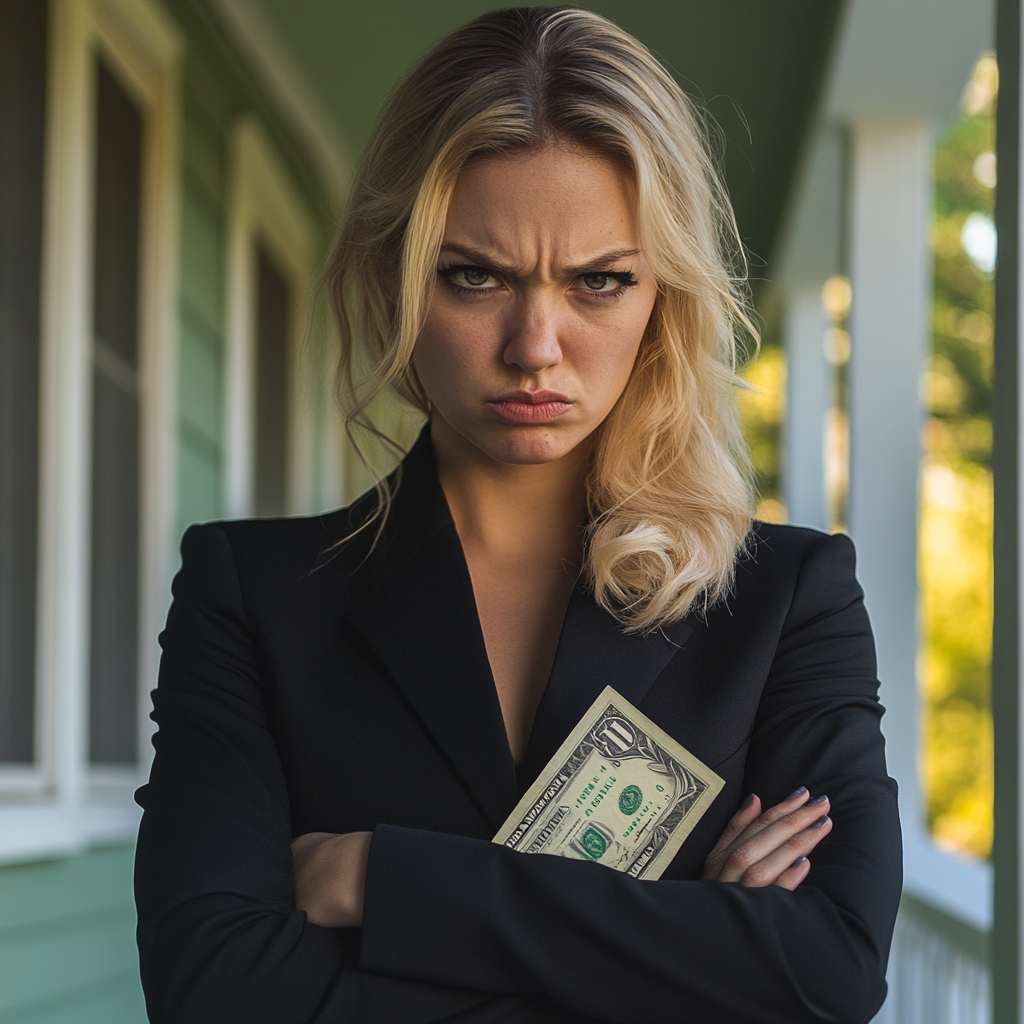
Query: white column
{"points": [[808, 396], [890, 270], [890, 183], [810, 253]]}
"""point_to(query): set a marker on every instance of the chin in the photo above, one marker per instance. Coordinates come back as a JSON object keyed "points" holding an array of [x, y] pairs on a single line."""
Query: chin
{"points": [[530, 447]]}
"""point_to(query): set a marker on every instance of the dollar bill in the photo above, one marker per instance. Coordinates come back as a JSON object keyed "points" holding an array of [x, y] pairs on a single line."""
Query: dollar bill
{"points": [[619, 791]]}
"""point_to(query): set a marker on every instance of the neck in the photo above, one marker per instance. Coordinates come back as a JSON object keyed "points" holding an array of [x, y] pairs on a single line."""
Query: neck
{"points": [[512, 510]]}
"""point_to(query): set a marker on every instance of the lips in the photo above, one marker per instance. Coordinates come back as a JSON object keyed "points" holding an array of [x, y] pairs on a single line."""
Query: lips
{"points": [[522, 406]]}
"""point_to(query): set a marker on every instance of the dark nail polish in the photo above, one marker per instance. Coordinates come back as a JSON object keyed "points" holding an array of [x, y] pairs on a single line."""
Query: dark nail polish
{"points": [[746, 803], [798, 862], [821, 821], [796, 793], [817, 800]]}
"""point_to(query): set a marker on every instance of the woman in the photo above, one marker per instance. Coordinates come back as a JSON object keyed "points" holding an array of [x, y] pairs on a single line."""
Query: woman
{"points": [[350, 705]]}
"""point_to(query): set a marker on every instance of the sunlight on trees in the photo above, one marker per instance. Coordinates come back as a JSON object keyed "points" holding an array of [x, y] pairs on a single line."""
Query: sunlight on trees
{"points": [[955, 558], [763, 408]]}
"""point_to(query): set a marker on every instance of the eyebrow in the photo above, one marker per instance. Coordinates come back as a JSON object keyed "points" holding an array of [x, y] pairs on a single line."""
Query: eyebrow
{"points": [[491, 261]]}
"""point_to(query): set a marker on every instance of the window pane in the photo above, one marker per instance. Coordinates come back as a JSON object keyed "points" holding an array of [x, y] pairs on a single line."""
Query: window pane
{"points": [[271, 389], [115, 426], [22, 122]]}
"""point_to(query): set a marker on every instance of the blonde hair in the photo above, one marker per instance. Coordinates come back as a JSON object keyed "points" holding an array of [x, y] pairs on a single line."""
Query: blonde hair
{"points": [[668, 485]]}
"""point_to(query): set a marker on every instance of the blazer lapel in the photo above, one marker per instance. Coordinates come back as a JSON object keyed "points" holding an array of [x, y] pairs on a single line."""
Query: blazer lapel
{"points": [[421, 620], [593, 652]]}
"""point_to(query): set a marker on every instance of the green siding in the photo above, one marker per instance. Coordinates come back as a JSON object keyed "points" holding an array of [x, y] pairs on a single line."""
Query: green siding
{"points": [[201, 143], [199, 476], [202, 253], [67, 944], [201, 306], [200, 365], [217, 88]]}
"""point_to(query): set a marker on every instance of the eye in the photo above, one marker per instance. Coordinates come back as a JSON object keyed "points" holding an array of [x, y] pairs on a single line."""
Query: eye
{"points": [[465, 278], [600, 282], [608, 284], [470, 278]]}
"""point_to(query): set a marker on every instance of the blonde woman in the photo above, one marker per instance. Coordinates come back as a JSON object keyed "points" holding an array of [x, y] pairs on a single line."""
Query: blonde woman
{"points": [[538, 255]]}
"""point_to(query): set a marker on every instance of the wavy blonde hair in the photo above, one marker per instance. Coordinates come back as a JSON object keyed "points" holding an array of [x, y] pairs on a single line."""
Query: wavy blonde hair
{"points": [[668, 485]]}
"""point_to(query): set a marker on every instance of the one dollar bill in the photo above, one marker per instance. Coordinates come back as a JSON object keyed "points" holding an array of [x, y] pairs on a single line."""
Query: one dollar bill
{"points": [[619, 791]]}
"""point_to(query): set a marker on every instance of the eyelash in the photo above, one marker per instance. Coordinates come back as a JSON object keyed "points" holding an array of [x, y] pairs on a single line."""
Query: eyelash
{"points": [[625, 279]]}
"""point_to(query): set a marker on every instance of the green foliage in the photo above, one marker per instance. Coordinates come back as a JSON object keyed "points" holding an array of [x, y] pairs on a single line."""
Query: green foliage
{"points": [[763, 409], [956, 514], [960, 384]]}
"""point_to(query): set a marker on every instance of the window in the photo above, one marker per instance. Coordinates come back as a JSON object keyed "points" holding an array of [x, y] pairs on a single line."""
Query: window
{"points": [[114, 561], [22, 106], [273, 316], [87, 329], [279, 421]]}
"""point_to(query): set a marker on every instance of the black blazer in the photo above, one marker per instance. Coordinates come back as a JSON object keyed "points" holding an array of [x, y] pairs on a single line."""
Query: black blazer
{"points": [[304, 692]]}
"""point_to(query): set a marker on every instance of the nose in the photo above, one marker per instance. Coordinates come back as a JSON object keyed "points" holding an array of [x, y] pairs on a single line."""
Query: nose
{"points": [[533, 337]]}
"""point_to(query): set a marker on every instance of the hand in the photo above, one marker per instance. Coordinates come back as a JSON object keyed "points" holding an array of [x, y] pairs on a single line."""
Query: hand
{"points": [[770, 849], [330, 877]]}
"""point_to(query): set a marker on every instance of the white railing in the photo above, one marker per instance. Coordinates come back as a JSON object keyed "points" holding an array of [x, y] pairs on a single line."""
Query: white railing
{"points": [[938, 969]]}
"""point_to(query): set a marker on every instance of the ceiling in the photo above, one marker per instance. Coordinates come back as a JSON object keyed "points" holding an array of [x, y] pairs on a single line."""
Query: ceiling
{"points": [[757, 67]]}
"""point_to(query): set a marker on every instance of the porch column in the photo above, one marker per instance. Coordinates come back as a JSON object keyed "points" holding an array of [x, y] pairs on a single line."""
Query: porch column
{"points": [[889, 322], [811, 253], [808, 394]]}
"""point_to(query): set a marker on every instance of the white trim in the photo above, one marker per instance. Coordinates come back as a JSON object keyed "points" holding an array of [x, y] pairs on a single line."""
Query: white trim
{"points": [[257, 39], [64, 436], [264, 208], [147, 48], [958, 885], [56, 829], [142, 47]]}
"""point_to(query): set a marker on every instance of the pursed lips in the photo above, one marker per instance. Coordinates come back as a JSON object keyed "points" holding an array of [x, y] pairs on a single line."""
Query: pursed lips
{"points": [[522, 406]]}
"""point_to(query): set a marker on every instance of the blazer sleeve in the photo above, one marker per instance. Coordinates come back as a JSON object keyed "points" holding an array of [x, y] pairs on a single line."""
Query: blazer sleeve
{"points": [[464, 912], [219, 936]]}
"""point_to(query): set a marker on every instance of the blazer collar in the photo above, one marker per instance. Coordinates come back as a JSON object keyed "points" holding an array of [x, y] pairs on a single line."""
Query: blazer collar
{"points": [[419, 614], [593, 652]]}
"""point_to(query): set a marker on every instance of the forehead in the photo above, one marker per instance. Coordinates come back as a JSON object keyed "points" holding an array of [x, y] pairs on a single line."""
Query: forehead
{"points": [[560, 197]]}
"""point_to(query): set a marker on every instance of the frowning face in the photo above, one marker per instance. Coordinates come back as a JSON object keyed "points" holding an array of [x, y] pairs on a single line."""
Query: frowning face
{"points": [[542, 299]]}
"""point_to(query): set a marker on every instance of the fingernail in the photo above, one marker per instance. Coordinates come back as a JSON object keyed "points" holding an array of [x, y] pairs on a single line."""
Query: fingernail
{"points": [[817, 800], [821, 821], [798, 862], [797, 792], [746, 803]]}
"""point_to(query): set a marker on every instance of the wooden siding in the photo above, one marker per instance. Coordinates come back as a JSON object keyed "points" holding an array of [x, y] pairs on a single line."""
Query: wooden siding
{"points": [[67, 941], [201, 305]]}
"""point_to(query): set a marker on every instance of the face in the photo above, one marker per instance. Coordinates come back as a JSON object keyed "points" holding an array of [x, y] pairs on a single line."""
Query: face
{"points": [[542, 299]]}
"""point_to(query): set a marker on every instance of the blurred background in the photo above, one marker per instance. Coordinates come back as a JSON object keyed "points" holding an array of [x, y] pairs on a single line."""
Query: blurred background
{"points": [[170, 175]]}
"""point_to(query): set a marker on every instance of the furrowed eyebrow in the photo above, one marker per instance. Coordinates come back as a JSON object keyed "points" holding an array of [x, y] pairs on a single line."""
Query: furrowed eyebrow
{"points": [[477, 257], [490, 261], [600, 262]]}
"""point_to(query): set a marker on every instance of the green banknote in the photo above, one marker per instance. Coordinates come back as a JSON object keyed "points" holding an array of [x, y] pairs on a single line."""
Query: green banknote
{"points": [[619, 791]]}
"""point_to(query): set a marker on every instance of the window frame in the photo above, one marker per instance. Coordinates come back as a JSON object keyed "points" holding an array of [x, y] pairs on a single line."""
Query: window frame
{"points": [[265, 211], [60, 805]]}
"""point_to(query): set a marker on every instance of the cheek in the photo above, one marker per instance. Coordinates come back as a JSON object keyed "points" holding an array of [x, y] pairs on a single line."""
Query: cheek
{"points": [[448, 351], [610, 362]]}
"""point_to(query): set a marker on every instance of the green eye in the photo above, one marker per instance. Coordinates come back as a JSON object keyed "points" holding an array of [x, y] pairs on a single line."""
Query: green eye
{"points": [[475, 277], [597, 282]]}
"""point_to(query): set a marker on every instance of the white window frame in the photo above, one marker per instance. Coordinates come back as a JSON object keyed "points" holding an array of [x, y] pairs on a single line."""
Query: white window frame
{"points": [[265, 209], [61, 806]]}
